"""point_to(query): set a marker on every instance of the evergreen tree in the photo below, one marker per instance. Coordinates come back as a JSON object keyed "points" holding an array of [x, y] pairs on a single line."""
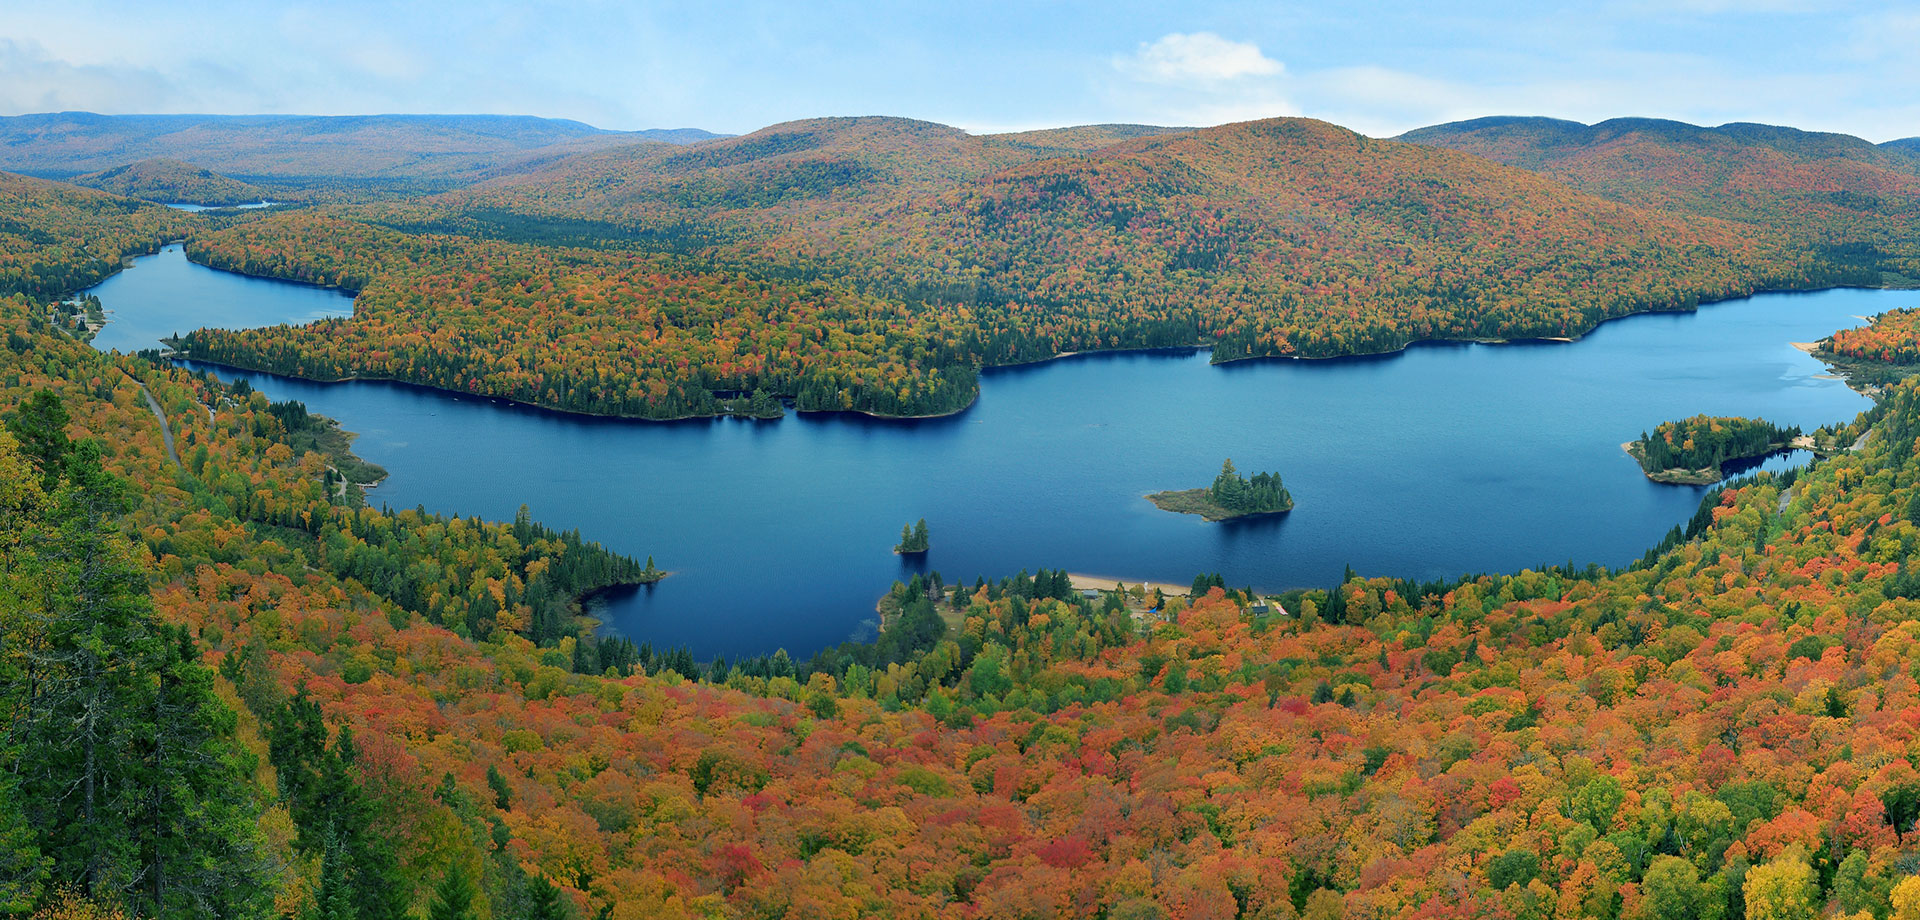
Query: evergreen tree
{"points": [[321, 786], [544, 900], [23, 870], [122, 778], [200, 843], [502, 793], [1262, 493], [913, 538], [40, 426], [333, 899], [89, 671], [453, 900]]}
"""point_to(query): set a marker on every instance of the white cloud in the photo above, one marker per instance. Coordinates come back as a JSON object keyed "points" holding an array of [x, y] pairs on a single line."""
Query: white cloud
{"points": [[31, 80], [1197, 58], [1196, 78]]}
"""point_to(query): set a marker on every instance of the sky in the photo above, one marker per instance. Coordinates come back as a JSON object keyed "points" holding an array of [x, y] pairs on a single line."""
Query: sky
{"points": [[987, 65]]}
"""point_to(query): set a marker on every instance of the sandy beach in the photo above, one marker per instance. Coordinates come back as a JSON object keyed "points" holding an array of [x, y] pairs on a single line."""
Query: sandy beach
{"points": [[1106, 582]]}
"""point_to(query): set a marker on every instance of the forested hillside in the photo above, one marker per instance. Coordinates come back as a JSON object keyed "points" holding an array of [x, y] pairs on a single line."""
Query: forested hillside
{"points": [[105, 692], [1079, 137], [1295, 237], [1852, 202], [1723, 730], [788, 176], [583, 331], [907, 255], [173, 182], [1892, 337], [1885, 350], [228, 690], [56, 238]]}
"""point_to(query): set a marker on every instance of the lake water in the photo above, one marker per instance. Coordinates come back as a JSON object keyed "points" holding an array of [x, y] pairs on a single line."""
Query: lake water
{"points": [[1442, 460], [184, 206], [164, 295]]}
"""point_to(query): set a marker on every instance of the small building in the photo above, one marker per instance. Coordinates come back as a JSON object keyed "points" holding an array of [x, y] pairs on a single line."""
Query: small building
{"points": [[1092, 594]]}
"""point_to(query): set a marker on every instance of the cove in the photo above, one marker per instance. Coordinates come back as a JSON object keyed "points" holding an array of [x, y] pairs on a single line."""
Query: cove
{"points": [[1433, 462]]}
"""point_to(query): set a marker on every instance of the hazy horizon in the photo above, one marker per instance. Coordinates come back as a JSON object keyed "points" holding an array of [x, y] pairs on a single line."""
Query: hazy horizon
{"points": [[988, 68], [980, 132]]}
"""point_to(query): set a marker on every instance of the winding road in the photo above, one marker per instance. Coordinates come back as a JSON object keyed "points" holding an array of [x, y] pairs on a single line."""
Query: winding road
{"points": [[166, 430]]}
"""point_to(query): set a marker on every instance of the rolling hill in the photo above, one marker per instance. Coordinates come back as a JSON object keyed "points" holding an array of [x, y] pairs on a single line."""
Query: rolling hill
{"points": [[1847, 198], [172, 182], [1296, 237], [782, 176], [56, 238], [1079, 137], [283, 702], [925, 252]]}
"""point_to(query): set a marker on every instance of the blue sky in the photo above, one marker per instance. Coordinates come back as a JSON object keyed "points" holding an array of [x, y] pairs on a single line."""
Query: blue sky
{"points": [[1378, 67]]}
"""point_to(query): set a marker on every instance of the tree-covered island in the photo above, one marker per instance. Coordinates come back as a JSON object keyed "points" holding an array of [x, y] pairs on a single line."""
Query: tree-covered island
{"points": [[913, 539], [1690, 451], [1231, 496]]}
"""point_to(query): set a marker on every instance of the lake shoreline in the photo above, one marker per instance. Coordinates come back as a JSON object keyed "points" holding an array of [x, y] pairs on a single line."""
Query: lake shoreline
{"points": [[1084, 582], [1066, 452], [1571, 338], [1704, 476]]}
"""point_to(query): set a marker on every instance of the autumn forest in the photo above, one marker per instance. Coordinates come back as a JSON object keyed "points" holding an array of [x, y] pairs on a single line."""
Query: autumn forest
{"points": [[232, 685]]}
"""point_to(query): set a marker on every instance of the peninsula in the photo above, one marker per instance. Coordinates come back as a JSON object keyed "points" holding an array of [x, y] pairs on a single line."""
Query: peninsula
{"points": [[1690, 451]]}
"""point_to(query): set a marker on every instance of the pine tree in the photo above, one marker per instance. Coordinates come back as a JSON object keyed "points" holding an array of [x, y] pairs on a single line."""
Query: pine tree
{"points": [[89, 667], [333, 900], [320, 784], [544, 900], [123, 760], [23, 870], [453, 900], [502, 793], [201, 848], [40, 426]]}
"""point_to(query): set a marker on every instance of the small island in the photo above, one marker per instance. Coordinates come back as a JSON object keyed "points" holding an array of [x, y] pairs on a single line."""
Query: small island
{"points": [[913, 539], [1231, 496], [1690, 451]]}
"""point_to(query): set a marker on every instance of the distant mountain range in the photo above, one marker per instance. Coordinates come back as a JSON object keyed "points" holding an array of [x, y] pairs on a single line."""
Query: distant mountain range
{"points": [[1282, 236], [256, 147]]}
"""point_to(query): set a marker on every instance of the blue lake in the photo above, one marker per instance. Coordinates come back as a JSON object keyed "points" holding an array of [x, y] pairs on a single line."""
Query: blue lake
{"points": [[1442, 460], [184, 206]]}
